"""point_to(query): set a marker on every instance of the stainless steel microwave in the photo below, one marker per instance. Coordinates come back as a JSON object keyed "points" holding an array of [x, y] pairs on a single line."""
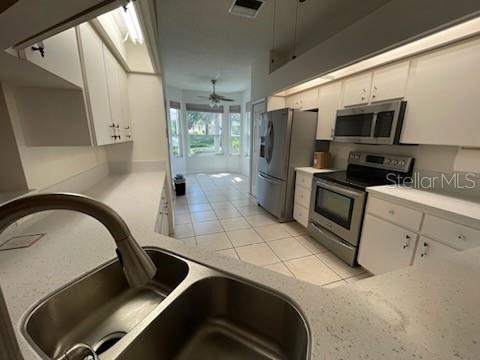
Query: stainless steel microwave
{"points": [[372, 124]]}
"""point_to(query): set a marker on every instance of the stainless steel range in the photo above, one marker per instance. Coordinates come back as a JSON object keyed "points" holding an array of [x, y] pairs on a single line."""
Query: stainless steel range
{"points": [[338, 199]]}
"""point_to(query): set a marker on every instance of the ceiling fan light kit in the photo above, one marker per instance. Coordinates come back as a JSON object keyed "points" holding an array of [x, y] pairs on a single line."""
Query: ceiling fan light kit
{"points": [[214, 98]]}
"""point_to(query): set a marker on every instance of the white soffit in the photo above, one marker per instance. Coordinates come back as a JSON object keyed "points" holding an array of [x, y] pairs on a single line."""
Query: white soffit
{"points": [[444, 37]]}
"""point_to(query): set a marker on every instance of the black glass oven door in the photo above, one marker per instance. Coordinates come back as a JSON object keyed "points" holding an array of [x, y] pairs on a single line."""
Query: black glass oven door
{"points": [[334, 206]]}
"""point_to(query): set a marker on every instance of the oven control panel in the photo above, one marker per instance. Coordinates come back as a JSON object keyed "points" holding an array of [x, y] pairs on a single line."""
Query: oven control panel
{"points": [[381, 161]]}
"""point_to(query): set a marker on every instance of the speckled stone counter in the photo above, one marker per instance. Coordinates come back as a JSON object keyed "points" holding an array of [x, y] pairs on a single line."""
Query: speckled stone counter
{"points": [[415, 313]]}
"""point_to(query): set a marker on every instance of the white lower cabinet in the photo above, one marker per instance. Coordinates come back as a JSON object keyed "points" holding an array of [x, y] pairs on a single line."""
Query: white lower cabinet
{"points": [[390, 233], [428, 250], [301, 207], [300, 214], [384, 246]]}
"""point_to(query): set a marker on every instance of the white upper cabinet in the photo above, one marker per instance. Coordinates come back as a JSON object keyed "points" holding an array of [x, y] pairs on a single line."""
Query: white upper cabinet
{"points": [[127, 131], [60, 56], [389, 82], [115, 97], [357, 89], [306, 100], [275, 103], [96, 88], [443, 93], [328, 104]]}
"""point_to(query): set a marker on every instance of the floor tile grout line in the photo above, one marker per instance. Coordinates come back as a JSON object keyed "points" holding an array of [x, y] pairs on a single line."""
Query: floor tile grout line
{"points": [[336, 272]]}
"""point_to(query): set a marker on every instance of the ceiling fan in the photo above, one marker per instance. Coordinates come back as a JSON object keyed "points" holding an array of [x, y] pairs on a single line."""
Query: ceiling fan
{"points": [[214, 98]]}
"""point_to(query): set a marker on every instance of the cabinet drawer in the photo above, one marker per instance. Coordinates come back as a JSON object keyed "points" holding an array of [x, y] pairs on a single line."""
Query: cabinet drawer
{"points": [[300, 214], [428, 250], [398, 214], [384, 246], [460, 237], [304, 180], [302, 196]]}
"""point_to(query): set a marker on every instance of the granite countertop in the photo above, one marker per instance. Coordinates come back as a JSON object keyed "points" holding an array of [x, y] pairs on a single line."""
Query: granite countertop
{"points": [[422, 312], [450, 204]]}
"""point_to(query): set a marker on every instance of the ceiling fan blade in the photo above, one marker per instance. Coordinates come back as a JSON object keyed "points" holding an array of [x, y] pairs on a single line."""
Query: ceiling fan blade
{"points": [[223, 98]]}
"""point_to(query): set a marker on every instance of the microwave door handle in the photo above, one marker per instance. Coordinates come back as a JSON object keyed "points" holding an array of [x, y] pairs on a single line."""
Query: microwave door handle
{"points": [[374, 126]]}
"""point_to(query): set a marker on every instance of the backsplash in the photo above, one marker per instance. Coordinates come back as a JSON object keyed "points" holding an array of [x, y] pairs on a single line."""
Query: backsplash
{"points": [[436, 167]]}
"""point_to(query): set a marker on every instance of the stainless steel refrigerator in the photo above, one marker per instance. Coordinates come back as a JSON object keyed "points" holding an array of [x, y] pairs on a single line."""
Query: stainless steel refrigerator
{"points": [[287, 141]]}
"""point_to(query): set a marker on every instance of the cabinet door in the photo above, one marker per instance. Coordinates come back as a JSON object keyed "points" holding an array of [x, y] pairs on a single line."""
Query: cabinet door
{"points": [[114, 94], [61, 56], [309, 99], [328, 104], [293, 101], [442, 93], [431, 250], [357, 89], [384, 246], [127, 131], [389, 82], [96, 84]]}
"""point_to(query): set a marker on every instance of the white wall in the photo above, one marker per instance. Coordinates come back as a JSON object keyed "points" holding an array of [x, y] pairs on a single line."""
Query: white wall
{"points": [[147, 114], [395, 23], [246, 136], [45, 166], [204, 163], [12, 177]]}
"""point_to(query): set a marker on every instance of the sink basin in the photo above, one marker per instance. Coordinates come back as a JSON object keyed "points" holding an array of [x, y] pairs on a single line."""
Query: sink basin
{"points": [[100, 308], [222, 318]]}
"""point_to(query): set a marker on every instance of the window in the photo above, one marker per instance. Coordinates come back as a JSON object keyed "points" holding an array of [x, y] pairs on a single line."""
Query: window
{"points": [[204, 125], [235, 129], [175, 147]]}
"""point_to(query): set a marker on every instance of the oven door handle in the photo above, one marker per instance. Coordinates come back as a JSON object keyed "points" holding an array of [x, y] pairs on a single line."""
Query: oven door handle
{"points": [[339, 189]]}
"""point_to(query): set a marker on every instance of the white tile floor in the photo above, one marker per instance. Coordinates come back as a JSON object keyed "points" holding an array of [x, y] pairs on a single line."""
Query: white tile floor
{"points": [[218, 214]]}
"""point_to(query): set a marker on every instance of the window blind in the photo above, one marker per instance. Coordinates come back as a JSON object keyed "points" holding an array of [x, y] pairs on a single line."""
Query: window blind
{"points": [[175, 105], [204, 108], [235, 109]]}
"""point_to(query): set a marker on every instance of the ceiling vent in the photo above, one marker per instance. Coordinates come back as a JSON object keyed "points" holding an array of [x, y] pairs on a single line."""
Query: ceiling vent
{"points": [[246, 8]]}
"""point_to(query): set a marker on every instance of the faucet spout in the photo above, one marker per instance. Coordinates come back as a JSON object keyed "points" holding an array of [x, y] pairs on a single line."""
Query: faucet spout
{"points": [[137, 265]]}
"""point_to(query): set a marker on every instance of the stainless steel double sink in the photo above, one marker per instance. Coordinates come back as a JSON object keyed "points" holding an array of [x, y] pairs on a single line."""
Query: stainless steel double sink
{"points": [[189, 311]]}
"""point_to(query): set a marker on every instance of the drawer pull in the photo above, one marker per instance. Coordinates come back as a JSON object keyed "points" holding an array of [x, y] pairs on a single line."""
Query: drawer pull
{"points": [[407, 243], [391, 212], [461, 237]]}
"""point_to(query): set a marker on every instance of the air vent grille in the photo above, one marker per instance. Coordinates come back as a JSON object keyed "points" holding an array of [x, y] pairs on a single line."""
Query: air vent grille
{"points": [[245, 8]]}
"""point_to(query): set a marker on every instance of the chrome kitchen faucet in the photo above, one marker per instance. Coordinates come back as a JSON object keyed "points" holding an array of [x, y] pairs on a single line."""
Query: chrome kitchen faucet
{"points": [[137, 265]]}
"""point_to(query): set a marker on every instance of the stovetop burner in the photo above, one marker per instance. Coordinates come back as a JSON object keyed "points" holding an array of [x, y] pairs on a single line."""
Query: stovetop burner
{"points": [[342, 178], [365, 169]]}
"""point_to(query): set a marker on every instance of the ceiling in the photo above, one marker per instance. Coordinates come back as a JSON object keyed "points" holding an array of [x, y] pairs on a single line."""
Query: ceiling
{"points": [[200, 40]]}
